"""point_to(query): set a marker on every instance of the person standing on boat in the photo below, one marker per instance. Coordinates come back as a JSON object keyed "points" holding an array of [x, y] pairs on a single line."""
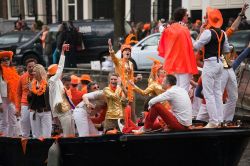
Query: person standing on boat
{"points": [[180, 116], [215, 41], [38, 99], [8, 98], [22, 92], [60, 102], [125, 69], [176, 47]]}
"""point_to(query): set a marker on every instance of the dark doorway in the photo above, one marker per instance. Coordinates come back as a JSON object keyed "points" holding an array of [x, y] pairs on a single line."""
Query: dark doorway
{"points": [[163, 9], [229, 13], [195, 15], [140, 10], [175, 4], [49, 11], [59, 12], [103, 9]]}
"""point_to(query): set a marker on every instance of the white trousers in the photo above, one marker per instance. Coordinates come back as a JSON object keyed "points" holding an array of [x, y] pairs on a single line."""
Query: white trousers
{"points": [[25, 121], [42, 125], [8, 119], [67, 123], [196, 104], [183, 80], [203, 114], [211, 81], [229, 83], [84, 125]]}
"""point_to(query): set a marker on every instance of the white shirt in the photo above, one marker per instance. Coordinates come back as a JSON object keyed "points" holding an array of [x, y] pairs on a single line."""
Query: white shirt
{"points": [[56, 88], [97, 98], [3, 89], [206, 37], [180, 104]]}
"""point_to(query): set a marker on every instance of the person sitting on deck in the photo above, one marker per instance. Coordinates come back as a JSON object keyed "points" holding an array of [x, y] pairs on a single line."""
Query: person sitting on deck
{"points": [[180, 116]]}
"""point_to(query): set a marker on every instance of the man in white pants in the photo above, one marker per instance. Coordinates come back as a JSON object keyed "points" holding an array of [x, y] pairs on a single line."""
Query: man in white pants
{"points": [[93, 102], [214, 41], [59, 100], [229, 82], [22, 92]]}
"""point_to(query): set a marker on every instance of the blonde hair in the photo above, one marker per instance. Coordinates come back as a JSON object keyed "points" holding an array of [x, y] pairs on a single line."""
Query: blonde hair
{"points": [[45, 27], [40, 71]]}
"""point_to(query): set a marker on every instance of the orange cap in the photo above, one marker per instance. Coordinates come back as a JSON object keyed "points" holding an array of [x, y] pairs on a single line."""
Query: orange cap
{"points": [[7, 54], [214, 17], [125, 46], [52, 69], [74, 79], [86, 77], [156, 65], [146, 26]]}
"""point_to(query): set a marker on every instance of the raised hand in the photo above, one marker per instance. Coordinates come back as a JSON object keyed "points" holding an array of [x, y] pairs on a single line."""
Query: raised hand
{"points": [[110, 45]]}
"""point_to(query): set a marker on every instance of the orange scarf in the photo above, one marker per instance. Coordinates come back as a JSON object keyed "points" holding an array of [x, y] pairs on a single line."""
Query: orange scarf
{"points": [[41, 89], [11, 77]]}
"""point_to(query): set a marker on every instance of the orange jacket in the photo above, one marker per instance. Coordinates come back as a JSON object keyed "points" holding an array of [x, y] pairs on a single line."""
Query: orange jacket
{"points": [[23, 90]]}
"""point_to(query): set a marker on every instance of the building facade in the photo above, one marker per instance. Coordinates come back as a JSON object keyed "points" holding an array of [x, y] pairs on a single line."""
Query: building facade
{"points": [[228, 8], [51, 11]]}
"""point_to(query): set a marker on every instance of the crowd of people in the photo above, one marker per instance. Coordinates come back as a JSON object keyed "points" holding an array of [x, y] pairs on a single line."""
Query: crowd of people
{"points": [[40, 103]]}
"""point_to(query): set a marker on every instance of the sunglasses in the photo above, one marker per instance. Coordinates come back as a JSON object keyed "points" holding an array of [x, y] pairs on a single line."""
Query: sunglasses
{"points": [[96, 87], [5, 59]]}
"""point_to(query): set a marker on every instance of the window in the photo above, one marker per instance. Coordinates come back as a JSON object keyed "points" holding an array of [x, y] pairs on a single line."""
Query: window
{"points": [[32, 7], [152, 41], [26, 37], [72, 10], [15, 8], [9, 39]]}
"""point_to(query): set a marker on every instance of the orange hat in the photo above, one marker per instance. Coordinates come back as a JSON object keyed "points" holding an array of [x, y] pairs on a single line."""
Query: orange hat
{"points": [[7, 54], [214, 17], [74, 79], [125, 46], [52, 69], [156, 66], [146, 26], [86, 77]]}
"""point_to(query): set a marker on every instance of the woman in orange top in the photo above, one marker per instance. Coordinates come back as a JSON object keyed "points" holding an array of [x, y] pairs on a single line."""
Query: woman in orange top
{"points": [[8, 96]]}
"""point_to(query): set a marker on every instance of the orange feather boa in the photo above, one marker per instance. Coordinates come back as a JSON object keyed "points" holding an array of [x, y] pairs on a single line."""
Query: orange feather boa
{"points": [[11, 77]]}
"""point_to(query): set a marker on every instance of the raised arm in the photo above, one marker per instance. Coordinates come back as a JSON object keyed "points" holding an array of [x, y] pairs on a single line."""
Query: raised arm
{"points": [[112, 54], [236, 23], [60, 64]]}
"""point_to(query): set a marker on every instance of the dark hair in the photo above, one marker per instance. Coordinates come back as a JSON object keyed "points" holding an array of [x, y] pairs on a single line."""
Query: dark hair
{"points": [[90, 84], [86, 82], [171, 79], [66, 78], [179, 13], [30, 60]]}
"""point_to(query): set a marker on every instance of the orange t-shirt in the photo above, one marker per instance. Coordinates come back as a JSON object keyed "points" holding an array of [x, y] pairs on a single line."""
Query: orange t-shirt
{"points": [[23, 90]]}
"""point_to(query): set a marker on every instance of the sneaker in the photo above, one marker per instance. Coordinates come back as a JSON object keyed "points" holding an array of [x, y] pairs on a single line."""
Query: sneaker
{"points": [[211, 125], [141, 130], [120, 124]]}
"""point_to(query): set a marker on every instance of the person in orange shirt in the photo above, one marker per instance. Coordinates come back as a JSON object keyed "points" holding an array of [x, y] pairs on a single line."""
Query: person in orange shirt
{"points": [[85, 80], [8, 97], [22, 92], [76, 95]]}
